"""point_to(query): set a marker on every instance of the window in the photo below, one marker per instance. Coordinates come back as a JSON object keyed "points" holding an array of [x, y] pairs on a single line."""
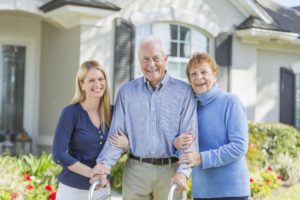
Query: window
{"points": [[180, 42]]}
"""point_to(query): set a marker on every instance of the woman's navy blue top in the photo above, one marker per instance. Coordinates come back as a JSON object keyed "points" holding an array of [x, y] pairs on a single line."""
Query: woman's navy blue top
{"points": [[76, 139]]}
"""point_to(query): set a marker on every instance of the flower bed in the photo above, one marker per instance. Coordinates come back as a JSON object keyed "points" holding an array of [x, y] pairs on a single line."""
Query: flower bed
{"points": [[28, 177]]}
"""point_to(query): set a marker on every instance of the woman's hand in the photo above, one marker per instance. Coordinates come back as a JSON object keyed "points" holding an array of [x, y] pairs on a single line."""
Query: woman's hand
{"points": [[184, 140], [191, 157], [119, 140]]}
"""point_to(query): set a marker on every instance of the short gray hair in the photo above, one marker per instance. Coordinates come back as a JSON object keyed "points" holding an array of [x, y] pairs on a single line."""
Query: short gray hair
{"points": [[152, 39]]}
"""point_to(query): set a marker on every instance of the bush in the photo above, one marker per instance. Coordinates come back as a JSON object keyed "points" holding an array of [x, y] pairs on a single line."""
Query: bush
{"points": [[273, 139]]}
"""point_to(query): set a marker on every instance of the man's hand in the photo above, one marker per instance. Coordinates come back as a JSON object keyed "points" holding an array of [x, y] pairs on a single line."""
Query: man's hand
{"points": [[184, 140], [181, 180]]}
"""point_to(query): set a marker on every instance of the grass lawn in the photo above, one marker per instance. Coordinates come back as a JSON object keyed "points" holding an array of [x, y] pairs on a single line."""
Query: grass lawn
{"points": [[292, 193]]}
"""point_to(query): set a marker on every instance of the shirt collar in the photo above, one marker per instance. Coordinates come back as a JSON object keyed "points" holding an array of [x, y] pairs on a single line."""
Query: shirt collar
{"points": [[160, 84]]}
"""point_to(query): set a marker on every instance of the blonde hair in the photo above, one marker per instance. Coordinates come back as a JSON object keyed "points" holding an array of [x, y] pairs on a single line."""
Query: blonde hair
{"points": [[199, 58], [79, 96]]}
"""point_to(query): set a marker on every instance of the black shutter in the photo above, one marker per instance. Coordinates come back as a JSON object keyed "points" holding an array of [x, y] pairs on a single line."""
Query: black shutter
{"points": [[223, 59], [124, 53], [287, 96]]}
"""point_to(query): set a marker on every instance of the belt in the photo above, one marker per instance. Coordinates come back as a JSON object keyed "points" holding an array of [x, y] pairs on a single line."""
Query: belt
{"points": [[155, 161]]}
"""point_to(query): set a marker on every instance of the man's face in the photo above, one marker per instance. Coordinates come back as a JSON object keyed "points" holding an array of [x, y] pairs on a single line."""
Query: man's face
{"points": [[153, 61]]}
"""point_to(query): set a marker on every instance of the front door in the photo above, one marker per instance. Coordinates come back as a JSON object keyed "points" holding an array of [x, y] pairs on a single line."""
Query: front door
{"points": [[12, 69]]}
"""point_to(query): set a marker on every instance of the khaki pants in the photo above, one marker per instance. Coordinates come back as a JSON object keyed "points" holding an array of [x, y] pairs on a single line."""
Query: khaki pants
{"points": [[144, 181]]}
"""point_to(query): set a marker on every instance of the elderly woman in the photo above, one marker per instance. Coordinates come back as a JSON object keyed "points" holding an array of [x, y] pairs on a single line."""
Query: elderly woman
{"points": [[220, 169], [81, 133]]}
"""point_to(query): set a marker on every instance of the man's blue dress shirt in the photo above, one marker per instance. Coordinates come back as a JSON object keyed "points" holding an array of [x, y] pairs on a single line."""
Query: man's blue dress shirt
{"points": [[152, 119], [76, 139]]}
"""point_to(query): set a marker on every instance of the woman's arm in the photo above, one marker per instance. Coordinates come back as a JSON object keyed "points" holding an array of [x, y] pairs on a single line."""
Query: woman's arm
{"points": [[85, 170]]}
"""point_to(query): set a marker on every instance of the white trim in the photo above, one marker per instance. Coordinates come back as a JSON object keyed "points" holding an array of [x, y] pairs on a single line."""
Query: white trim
{"points": [[176, 15], [256, 35], [257, 11], [69, 16], [248, 7]]}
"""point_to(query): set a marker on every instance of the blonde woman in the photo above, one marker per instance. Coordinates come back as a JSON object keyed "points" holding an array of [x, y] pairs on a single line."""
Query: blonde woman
{"points": [[81, 132]]}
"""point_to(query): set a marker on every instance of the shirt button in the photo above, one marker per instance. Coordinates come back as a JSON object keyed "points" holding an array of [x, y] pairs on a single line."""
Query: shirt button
{"points": [[153, 109], [154, 95], [100, 142], [101, 136], [153, 138], [99, 131], [58, 161], [153, 152], [153, 123]]}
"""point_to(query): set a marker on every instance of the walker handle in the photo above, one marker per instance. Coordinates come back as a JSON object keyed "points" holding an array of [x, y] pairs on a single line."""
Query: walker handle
{"points": [[171, 191], [92, 189]]}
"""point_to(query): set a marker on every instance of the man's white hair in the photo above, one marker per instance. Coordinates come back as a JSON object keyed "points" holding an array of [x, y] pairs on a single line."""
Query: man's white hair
{"points": [[152, 39]]}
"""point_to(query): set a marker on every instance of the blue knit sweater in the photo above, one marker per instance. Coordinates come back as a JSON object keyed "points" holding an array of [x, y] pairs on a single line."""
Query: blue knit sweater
{"points": [[223, 143]]}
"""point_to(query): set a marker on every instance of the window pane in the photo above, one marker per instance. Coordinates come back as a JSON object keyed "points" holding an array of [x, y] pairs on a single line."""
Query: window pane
{"points": [[174, 32], [200, 42], [182, 71], [162, 30], [185, 50], [173, 69], [173, 49], [185, 34]]}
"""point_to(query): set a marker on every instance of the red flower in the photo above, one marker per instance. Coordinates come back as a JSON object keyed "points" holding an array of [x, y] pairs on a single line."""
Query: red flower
{"points": [[259, 185], [279, 177], [52, 196], [49, 188], [268, 180], [251, 180], [29, 187], [270, 169], [26, 177], [13, 195], [111, 182]]}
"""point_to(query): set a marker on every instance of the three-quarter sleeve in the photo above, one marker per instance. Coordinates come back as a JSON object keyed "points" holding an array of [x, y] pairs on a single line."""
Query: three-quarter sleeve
{"points": [[63, 133]]}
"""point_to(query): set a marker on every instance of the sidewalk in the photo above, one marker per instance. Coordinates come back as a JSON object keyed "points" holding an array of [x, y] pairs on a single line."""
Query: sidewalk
{"points": [[115, 195]]}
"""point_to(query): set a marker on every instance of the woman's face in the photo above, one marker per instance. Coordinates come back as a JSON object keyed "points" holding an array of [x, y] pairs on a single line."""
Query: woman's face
{"points": [[202, 77], [94, 84]]}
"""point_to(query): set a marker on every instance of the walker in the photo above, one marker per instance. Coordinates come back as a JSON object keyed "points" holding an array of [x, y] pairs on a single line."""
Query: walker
{"points": [[171, 192], [93, 187], [107, 197]]}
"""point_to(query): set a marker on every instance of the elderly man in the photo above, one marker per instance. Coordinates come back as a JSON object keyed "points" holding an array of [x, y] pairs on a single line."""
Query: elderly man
{"points": [[152, 111]]}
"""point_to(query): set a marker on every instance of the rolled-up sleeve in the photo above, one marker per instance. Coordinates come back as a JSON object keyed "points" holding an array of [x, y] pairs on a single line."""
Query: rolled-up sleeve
{"points": [[188, 122], [63, 133]]}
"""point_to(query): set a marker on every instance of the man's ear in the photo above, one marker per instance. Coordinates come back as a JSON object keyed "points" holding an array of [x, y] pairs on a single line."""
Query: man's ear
{"points": [[166, 58]]}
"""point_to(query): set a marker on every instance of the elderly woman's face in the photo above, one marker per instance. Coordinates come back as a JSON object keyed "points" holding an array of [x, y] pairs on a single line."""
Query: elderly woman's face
{"points": [[202, 77]]}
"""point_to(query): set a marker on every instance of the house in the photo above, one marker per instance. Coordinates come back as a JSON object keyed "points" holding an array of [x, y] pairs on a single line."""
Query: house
{"points": [[42, 43]]}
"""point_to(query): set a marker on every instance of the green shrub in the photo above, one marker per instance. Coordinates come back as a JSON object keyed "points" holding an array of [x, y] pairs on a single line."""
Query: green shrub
{"points": [[116, 173], [274, 139]]}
